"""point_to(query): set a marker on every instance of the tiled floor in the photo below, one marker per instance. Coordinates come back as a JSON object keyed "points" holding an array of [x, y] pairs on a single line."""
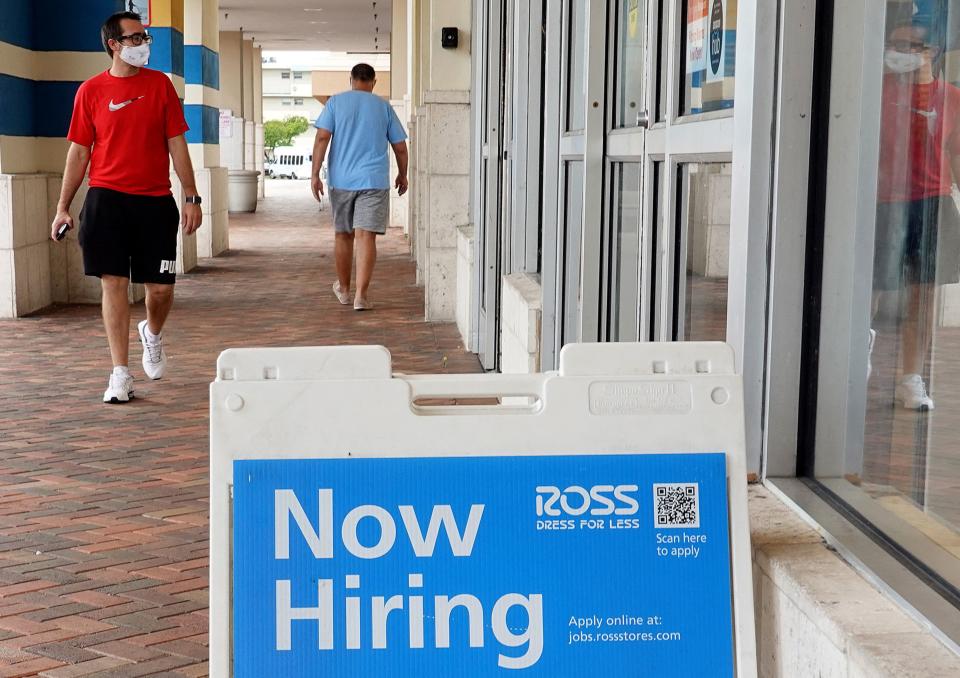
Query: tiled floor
{"points": [[103, 513]]}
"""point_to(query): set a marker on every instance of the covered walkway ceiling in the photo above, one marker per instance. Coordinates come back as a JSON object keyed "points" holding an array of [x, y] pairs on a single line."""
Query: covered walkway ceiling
{"points": [[330, 25]]}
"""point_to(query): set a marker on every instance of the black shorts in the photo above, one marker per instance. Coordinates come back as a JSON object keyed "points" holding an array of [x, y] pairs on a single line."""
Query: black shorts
{"points": [[917, 242], [130, 236]]}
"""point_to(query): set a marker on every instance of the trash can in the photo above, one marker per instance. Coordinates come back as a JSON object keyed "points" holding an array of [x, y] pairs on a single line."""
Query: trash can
{"points": [[243, 190]]}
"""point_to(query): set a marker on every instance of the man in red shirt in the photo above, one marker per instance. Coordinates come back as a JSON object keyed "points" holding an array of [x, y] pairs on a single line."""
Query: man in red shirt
{"points": [[918, 227], [127, 124]]}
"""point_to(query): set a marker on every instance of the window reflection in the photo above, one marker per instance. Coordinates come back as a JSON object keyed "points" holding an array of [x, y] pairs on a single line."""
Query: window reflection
{"points": [[577, 64], [630, 65], [911, 458], [572, 241], [704, 244], [625, 255]]}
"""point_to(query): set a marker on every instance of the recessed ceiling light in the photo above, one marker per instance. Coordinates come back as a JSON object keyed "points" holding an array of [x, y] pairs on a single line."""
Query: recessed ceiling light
{"points": [[313, 9]]}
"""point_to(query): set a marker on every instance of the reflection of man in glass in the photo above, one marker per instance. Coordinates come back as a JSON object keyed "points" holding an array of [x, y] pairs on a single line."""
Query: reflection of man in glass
{"points": [[918, 226]]}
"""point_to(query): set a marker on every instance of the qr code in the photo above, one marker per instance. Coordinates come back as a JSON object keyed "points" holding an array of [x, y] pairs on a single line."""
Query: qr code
{"points": [[676, 505]]}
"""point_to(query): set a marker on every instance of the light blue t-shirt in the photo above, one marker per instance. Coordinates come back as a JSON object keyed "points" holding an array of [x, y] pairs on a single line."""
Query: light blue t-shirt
{"points": [[363, 125]]}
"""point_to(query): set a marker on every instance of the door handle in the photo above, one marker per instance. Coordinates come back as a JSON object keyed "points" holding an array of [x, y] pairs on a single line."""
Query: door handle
{"points": [[643, 119]]}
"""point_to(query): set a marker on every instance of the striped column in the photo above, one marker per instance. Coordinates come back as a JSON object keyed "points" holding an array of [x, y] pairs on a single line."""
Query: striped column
{"points": [[166, 55], [202, 108], [166, 27], [40, 71]]}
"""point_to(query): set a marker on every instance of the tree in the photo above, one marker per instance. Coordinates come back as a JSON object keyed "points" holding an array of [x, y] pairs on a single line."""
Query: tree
{"points": [[281, 132]]}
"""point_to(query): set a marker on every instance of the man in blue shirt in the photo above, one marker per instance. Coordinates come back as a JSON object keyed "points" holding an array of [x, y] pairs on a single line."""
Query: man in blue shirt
{"points": [[357, 126]]}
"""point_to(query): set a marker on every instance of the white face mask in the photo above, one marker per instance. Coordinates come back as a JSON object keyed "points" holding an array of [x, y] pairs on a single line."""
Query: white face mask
{"points": [[136, 56], [902, 62]]}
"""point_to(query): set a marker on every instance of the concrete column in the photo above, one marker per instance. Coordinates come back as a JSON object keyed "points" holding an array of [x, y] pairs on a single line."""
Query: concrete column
{"points": [[441, 101], [400, 100], [256, 76], [35, 272], [202, 108], [166, 27], [241, 92], [399, 58], [247, 93], [231, 99]]}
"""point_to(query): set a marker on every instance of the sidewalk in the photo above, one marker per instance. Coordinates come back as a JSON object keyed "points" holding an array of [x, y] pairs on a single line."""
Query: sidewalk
{"points": [[103, 509]]}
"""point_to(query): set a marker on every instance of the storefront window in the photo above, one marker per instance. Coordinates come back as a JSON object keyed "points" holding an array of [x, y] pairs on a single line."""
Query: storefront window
{"points": [[704, 248], [631, 34], [576, 66], [625, 254], [895, 457], [911, 455], [572, 240], [709, 41]]}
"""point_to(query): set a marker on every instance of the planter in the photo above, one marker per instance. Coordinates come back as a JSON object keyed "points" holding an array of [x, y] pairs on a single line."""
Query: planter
{"points": [[243, 190]]}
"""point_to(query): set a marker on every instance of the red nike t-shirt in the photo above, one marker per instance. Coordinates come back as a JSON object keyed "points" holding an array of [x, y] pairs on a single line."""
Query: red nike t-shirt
{"points": [[919, 138], [128, 122]]}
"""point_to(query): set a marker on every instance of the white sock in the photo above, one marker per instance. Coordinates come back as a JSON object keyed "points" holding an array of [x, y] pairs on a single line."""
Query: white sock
{"points": [[121, 371], [151, 337]]}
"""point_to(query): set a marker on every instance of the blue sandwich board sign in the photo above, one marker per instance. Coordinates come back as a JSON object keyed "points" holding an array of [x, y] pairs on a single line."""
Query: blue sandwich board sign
{"points": [[573, 565]]}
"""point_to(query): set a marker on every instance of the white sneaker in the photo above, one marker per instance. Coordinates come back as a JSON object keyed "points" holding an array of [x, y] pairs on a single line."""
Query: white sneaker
{"points": [[154, 357], [119, 390], [342, 297], [870, 342], [912, 393], [360, 304]]}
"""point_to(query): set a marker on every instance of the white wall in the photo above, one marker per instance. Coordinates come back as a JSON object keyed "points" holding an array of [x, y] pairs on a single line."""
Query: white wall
{"points": [[274, 109], [440, 140], [520, 323]]}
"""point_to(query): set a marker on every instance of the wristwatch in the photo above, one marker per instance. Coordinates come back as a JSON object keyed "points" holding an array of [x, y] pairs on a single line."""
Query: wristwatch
{"points": [[193, 199]]}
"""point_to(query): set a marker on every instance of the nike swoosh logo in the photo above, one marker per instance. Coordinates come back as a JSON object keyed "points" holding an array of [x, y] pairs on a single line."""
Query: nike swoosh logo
{"points": [[116, 107]]}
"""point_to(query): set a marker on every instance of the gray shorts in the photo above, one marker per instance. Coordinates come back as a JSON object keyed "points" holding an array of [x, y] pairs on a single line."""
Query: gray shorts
{"points": [[367, 210]]}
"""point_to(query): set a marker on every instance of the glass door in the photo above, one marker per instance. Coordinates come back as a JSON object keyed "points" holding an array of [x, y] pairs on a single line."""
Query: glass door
{"points": [[686, 157], [642, 171], [573, 121], [629, 117], [490, 194]]}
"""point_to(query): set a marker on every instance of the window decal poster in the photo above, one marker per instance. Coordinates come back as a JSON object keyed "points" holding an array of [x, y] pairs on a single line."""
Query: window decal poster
{"points": [[696, 35], [482, 566], [716, 36]]}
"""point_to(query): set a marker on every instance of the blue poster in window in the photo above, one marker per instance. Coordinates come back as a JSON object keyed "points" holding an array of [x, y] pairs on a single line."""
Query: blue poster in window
{"points": [[482, 566]]}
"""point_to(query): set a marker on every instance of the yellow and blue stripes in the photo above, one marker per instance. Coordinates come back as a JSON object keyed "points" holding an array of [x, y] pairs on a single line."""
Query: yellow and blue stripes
{"points": [[204, 122], [76, 29], [166, 52], [201, 66], [35, 109], [42, 64], [41, 69], [202, 70]]}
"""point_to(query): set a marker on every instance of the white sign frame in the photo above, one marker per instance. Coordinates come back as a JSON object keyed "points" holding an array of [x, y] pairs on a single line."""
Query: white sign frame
{"points": [[300, 403]]}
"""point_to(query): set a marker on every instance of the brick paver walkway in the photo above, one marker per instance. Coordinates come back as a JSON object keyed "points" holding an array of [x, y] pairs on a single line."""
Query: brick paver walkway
{"points": [[103, 509]]}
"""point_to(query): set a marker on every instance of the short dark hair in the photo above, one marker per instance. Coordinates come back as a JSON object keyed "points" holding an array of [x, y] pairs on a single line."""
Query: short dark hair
{"points": [[111, 28], [363, 73]]}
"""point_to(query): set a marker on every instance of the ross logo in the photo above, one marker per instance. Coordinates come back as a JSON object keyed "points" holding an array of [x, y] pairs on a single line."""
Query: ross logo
{"points": [[599, 500], [116, 107], [168, 266]]}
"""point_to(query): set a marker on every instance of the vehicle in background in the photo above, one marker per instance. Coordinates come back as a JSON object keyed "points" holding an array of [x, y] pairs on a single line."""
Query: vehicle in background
{"points": [[289, 163]]}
